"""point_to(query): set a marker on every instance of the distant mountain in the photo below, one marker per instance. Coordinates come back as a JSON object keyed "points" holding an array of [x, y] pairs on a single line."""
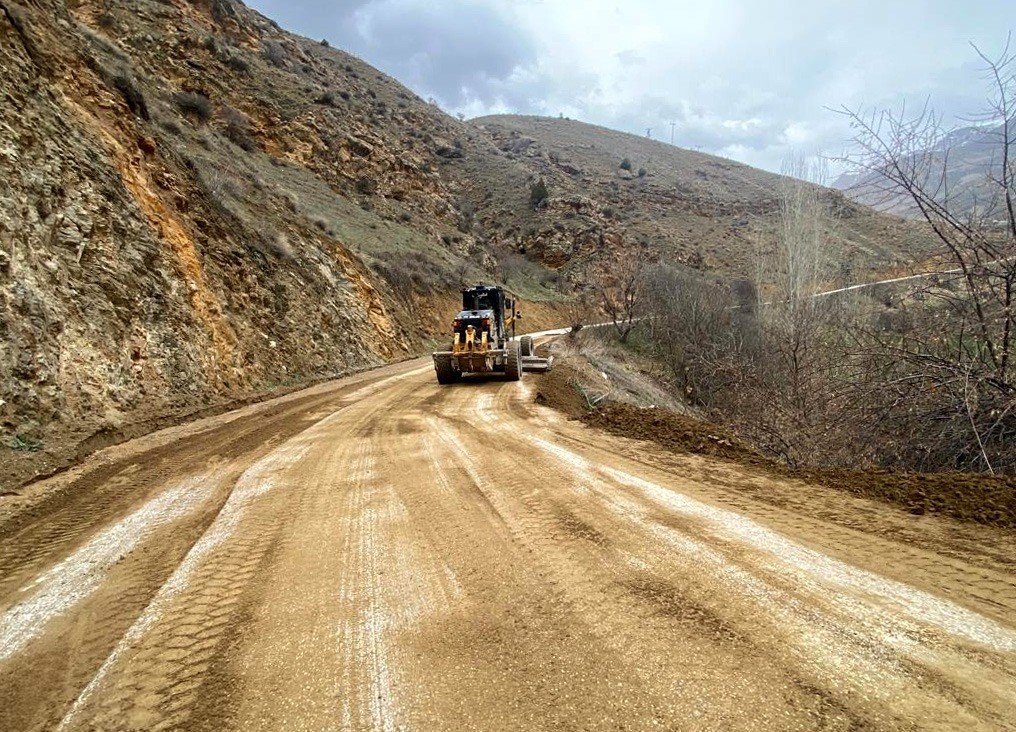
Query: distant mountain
{"points": [[967, 156]]}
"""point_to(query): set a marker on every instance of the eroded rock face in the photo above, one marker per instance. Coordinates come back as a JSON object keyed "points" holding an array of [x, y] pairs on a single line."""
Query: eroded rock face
{"points": [[133, 287]]}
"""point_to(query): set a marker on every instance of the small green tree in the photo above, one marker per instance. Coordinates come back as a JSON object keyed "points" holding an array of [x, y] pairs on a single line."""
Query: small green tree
{"points": [[626, 164], [538, 193]]}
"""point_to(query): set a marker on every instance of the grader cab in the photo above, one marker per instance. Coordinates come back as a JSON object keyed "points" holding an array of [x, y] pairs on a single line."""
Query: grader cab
{"points": [[484, 339]]}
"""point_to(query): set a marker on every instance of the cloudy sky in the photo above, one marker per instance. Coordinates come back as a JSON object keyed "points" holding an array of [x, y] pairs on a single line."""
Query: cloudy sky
{"points": [[747, 79]]}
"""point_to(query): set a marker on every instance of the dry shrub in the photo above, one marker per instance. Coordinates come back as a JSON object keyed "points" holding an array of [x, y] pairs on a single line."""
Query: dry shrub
{"points": [[236, 128], [125, 83], [275, 54], [194, 104]]}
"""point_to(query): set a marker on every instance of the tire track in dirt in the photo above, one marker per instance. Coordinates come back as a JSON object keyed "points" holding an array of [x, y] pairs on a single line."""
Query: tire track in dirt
{"points": [[614, 588], [863, 614], [68, 656], [152, 684], [110, 486], [79, 575], [417, 557]]}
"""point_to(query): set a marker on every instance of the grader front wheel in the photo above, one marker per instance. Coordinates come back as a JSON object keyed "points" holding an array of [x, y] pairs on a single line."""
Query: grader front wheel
{"points": [[513, 361]]}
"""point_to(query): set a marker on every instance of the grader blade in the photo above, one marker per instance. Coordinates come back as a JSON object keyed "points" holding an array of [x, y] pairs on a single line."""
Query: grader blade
{"points": [[537, 365]]}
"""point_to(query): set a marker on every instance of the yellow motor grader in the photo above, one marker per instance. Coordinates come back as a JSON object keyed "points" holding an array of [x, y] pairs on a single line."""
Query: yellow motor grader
{"points": [[484, 339]]}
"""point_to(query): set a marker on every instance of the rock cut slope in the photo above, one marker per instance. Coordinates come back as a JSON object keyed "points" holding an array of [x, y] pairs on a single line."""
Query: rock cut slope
{"points": [[198, 207]]}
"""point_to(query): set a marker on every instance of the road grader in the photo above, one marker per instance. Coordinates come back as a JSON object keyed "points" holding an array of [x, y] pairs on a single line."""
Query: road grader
{"points": [[484, 339]]}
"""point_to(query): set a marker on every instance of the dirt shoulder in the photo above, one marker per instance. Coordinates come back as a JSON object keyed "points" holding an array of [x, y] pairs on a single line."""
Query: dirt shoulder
{"points": [[964, 496]]}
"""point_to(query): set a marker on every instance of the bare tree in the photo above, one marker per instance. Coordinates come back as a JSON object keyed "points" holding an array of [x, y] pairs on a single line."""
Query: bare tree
{"points": [[965, 356], [579, 309], [800, 233], [620, 288]]}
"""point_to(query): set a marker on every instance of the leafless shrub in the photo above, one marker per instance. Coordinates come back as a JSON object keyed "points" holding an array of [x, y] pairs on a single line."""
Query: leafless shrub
{"points": [[366, 185], [236, 128], [237, 63], [580, 309], [170, 126], [951, 380], [125, 83], [223, 188], [194, 104], [620, 288], [517, 271], [275, 54]]}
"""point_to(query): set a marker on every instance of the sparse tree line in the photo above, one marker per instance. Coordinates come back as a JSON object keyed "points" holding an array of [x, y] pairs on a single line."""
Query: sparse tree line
{"points": [[921, 378]]}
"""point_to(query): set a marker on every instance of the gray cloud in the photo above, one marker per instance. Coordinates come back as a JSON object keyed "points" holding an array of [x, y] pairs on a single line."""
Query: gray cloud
{"points": [[457, 51], [752, 81]]}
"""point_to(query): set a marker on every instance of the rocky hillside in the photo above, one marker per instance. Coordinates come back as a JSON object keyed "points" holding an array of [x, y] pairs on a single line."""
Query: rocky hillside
{"points": [[197, 207], [696, 209]]}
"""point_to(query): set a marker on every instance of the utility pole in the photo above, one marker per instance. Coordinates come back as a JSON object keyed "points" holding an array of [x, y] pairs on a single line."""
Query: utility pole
{"points": [[649, 132], [672, 132]]}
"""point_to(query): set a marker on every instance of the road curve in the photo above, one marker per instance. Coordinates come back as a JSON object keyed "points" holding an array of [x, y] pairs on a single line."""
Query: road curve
{"points": [[384, 553]]}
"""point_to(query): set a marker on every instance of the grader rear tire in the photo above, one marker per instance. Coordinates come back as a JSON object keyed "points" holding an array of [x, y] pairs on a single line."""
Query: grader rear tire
{"points": [[513, 361], [527, 346], [445, 373]]}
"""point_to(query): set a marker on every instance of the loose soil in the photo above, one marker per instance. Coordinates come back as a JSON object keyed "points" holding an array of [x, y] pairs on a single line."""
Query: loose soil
{"points": [[965, 496]]}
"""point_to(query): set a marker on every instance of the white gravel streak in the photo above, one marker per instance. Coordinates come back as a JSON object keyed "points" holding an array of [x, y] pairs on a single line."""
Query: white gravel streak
{"points": [[79, 575], [918, 606], [869, 620], [883, 597], [257, 480]]}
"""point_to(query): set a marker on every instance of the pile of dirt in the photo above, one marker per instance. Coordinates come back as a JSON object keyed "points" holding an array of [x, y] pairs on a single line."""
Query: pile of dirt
{"points": [[674, 431], [558, 388], [972, 497], [966, 496]]}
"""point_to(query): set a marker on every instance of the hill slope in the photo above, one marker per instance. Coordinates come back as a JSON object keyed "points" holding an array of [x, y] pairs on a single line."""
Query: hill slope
{"points": [[697, 209]]}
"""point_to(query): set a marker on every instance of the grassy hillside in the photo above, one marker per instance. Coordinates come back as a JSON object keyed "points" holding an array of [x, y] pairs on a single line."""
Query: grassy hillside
{"points": [[697, 209]]}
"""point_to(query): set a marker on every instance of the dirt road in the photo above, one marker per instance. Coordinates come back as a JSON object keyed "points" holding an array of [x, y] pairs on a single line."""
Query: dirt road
{"points": [[384, 553]]}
